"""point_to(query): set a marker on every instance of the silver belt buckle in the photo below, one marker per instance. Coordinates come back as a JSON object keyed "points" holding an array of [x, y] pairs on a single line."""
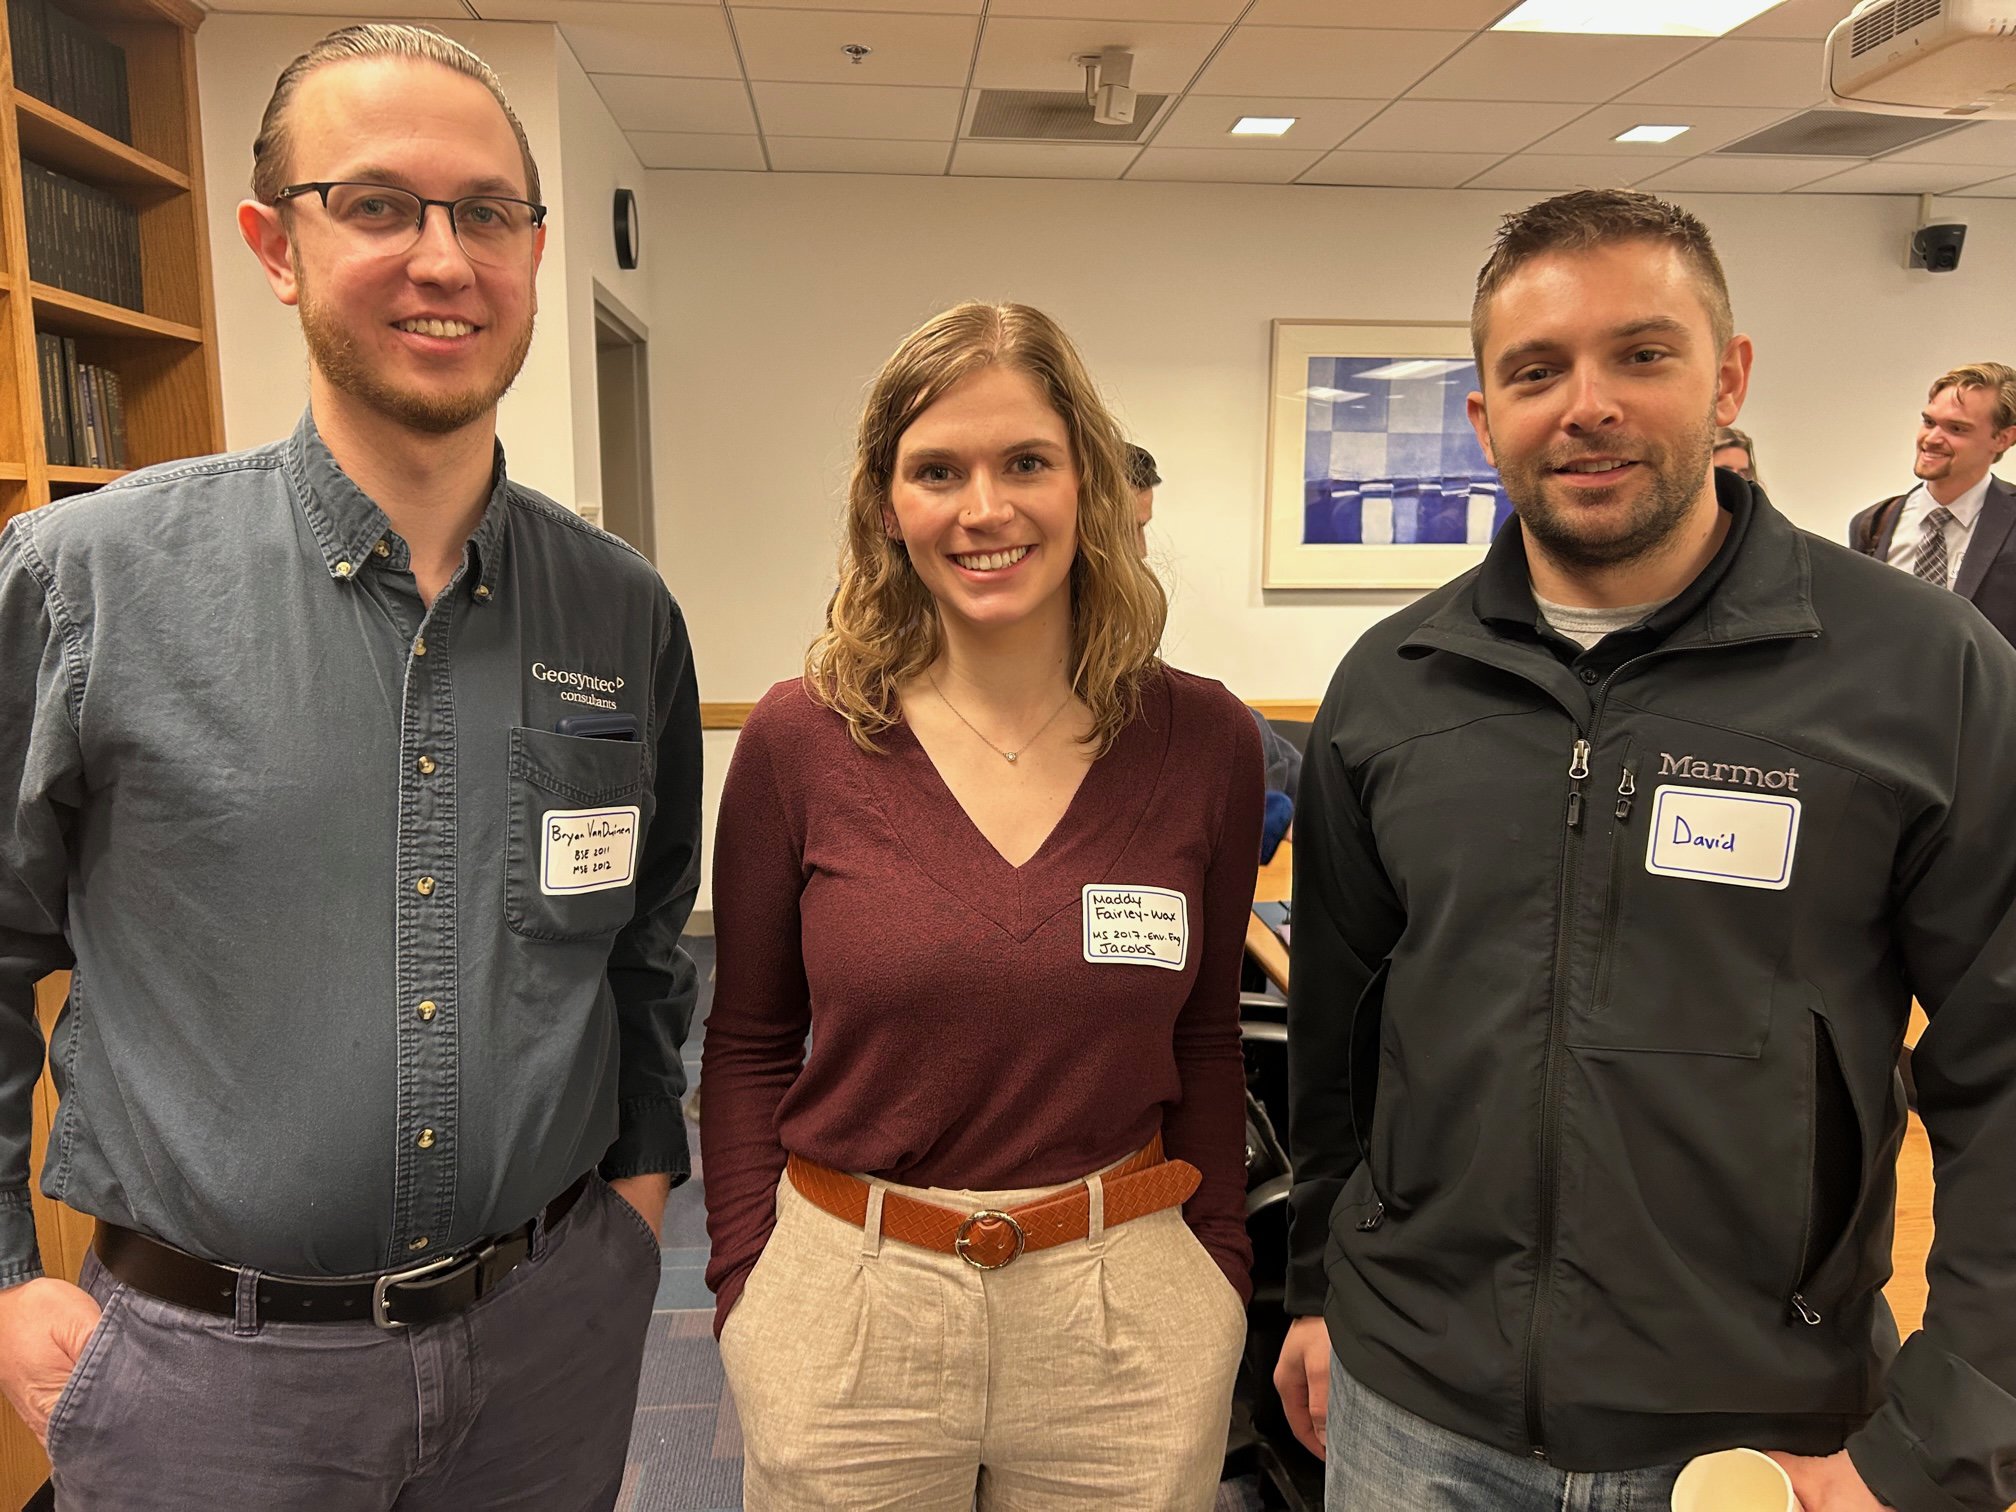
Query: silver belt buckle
{"points": [[962, 1248], [395, 1278]]}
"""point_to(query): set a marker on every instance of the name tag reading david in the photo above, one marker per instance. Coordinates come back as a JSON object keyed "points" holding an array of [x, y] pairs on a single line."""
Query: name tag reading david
{"points": [[1713, 835], [587, 850], [1137, 926]]}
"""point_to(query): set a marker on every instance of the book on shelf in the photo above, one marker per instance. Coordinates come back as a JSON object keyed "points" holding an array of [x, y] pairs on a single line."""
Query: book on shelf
{"points": [[81, 238], [63, 62], [83, 407]]}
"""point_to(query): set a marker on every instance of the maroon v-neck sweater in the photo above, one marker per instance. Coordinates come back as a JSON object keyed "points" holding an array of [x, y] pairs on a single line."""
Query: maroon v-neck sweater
{"points": [[960, 1036]]}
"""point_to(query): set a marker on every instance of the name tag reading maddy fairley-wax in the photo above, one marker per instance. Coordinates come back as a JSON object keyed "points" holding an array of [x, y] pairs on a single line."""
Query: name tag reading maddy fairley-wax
{"points": [[1136, 926], [1713, 835], [587, 850]]}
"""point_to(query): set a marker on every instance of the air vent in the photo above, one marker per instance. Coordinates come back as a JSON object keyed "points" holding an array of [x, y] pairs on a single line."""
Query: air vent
{"points": [[1839, 133], [1036, 115], [1880, 23]]}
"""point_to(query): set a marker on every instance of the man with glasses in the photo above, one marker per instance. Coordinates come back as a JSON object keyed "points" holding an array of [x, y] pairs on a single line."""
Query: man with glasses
{"points": [[359, 785]]}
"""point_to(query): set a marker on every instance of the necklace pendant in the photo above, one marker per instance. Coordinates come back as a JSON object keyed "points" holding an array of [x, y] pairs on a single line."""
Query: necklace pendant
{"points": [[1011, 755]]}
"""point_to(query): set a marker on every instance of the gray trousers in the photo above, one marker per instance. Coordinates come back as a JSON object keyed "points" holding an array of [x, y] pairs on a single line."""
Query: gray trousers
{"points": [[523, 1400]]}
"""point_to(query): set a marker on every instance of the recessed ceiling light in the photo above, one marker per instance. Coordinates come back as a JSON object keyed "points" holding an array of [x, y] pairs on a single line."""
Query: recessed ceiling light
{"points": [[1263, 125], [1635, 18], [1651, 133]]}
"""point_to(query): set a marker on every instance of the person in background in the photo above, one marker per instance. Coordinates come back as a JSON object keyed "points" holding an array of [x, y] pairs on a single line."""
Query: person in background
{"points": [[1613, 886], [1956, 528], [359, 787], [1283, 757], [1735, 451], [985, 1238]]}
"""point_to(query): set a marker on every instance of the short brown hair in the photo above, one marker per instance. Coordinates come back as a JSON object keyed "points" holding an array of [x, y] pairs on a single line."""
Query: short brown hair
{"points": [[1589, 218], [1996, 377], [882, 625], [273, 148]]}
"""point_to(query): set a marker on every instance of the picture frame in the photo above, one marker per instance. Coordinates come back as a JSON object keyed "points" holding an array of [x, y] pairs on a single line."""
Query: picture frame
{"points": [[1375, 478]]}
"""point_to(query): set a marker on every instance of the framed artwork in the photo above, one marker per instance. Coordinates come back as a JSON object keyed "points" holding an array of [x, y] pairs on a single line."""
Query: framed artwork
{"points": [[1374, 476]]}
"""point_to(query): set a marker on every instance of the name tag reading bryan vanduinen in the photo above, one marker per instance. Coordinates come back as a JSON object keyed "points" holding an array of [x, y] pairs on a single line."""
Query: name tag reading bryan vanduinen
{"points": [[1712, 835], [1136, 926], [588, 850]]}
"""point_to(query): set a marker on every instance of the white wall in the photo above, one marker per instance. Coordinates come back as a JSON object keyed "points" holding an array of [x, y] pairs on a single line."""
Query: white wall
{"points": [[547, 421]]}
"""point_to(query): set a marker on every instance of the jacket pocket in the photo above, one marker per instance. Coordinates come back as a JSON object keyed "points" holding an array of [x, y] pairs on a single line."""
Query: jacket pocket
{"points": [[579, 813], [1362, 1077], [1838, 1185]]}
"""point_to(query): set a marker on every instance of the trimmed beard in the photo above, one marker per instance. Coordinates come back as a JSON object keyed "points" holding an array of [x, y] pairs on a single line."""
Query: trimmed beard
{"points": [[1677, 475]]}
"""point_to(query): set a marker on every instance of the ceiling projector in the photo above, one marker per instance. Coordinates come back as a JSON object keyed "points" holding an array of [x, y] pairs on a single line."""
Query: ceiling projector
{"points": [[1950, 58]]}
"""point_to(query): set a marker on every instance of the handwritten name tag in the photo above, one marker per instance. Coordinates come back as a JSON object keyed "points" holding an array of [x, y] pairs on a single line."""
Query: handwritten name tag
{"points": [[1136, 926], [1713, 835], [587, 850]]}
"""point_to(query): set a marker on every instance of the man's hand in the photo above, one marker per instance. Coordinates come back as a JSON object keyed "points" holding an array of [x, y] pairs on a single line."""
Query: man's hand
{"points": [[44, 1325], [1830, 1484], [1303, 1378], [647, 1194]]}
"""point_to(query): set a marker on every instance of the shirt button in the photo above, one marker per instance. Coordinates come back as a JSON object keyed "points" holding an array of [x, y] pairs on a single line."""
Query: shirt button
{"points": [[419, 647], [426, 1139], [424, 887], [427, 1010], [483, 590], [383, 549], [1588, 675], [426, 765], [420, 1243], [342, 569]]}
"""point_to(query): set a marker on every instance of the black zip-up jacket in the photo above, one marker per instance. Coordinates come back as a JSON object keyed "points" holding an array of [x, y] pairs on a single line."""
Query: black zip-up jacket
{"points": [[1594, 1160]]}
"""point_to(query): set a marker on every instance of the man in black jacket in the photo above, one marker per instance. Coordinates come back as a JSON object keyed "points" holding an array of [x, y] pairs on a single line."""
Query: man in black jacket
{"points": [[1620, 859], [1957, 527]]}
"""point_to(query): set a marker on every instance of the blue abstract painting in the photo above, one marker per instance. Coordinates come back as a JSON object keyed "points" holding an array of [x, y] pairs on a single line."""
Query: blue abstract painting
{"points": [[1389, 458]]}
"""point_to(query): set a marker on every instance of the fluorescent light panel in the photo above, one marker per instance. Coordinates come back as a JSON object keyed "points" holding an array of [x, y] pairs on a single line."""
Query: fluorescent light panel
{"points": [[1635, 18], [1652, 133], [1411, 369], [1263, 125]]}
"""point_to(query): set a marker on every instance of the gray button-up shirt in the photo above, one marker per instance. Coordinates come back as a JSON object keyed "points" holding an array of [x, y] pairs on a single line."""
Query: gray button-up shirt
{"points": [[373, 953]]}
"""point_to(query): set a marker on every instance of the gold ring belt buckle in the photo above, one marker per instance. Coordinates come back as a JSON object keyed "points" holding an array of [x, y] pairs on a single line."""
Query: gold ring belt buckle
{"points": [[962, 1244]]}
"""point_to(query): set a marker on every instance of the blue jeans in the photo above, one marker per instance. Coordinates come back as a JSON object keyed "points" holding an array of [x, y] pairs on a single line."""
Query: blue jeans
{"points": [[1383, 1458]]}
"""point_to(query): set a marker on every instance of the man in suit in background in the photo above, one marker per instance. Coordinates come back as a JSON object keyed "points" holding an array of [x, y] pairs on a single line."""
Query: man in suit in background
{"points": [[1957, 528]]}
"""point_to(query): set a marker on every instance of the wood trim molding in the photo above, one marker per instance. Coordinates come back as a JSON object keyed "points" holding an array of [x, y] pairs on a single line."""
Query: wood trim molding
{"points": [[732, 716], [1284, 708]]}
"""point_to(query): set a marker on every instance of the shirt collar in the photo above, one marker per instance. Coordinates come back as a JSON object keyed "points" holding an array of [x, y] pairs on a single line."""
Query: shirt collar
{"points": [[1967, 508], [349, 527]]}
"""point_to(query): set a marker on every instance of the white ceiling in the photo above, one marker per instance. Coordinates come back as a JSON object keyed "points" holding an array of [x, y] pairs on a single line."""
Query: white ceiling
{"points": [[1391, 92]]}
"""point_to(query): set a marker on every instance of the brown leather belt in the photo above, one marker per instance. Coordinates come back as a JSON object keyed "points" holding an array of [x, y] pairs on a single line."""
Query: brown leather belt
{"points": [[989, 1239], [397, 1299]]}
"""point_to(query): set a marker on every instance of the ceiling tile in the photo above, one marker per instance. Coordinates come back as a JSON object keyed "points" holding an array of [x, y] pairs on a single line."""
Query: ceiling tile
{"points": [[890, 111], [1532, 66], [1745, 174], [641, 102], [1019, 53], [1797, 18], [1221, 165], [1992, 143], [1427, 15], [1534, 170], [1740, 73], [1887, 177], [684, 149], [1995, 189], [1044, 160], [1711, 126], [841, 155], [1495, 127], [1402, 170], [804, 47], [403, 10], [1206, 121], [1225, 11], [1325, 63], [686, 41]]}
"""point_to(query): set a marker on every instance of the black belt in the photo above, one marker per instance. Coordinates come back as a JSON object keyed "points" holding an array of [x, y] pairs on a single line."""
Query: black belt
{"points": [[397, 1299]]}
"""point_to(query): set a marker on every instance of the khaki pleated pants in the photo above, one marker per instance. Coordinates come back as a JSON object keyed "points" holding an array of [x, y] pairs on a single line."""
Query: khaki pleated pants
{"points": [[868, 1373]]}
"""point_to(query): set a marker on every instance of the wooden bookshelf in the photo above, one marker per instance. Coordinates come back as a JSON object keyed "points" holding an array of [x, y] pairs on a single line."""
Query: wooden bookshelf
{"points": [[164, 353]]}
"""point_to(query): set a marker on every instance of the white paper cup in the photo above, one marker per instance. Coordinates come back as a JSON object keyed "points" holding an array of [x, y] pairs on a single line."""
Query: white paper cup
{"points": [[1736, 1480]]}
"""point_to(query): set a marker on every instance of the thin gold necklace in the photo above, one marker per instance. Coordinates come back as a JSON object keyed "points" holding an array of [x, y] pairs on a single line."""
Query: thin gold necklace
{"points": [[1007, 756]]}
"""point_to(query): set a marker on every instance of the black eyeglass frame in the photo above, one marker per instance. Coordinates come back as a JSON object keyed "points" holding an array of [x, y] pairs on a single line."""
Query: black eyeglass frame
{"points": [[320, 189]]}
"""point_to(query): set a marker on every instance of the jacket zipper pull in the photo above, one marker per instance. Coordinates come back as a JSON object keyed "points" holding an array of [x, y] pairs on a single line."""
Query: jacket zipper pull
{"points": [[1578, 768], [1806, 1314], [1625, 789], [1373, 1219]]}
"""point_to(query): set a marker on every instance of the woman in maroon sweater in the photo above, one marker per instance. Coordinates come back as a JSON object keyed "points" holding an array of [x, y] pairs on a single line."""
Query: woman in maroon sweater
{"points": [[996, 859]]}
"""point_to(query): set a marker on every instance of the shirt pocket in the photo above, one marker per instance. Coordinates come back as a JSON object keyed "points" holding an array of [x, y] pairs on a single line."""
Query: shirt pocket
{"points": [[579, 809]]}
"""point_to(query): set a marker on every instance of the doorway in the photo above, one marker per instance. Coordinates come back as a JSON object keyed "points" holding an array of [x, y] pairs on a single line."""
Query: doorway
{"points": [[623, 406]]}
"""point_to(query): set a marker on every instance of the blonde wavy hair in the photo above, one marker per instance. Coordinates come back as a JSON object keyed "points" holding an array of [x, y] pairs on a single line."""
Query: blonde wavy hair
{"points": [[882, 625]]}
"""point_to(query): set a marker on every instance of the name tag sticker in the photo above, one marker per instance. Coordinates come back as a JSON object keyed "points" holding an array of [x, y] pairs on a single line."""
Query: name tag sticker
{"points": [[1713, 835], [1136, 926], [587, 850]]}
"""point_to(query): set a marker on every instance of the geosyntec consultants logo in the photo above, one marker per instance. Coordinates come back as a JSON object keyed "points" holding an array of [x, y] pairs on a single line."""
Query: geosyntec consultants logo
{"points": [[579, 687]]}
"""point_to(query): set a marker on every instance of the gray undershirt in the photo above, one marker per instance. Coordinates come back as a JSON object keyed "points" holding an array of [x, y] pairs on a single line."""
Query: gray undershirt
{"points": [[1588, 626]]}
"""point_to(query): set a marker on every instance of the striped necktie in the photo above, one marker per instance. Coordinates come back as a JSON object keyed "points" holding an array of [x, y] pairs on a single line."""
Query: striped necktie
{"points": [[1931, 563]]}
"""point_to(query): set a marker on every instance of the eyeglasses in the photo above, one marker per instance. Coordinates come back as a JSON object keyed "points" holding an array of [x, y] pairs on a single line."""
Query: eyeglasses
{"points": [[489, 228]]}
